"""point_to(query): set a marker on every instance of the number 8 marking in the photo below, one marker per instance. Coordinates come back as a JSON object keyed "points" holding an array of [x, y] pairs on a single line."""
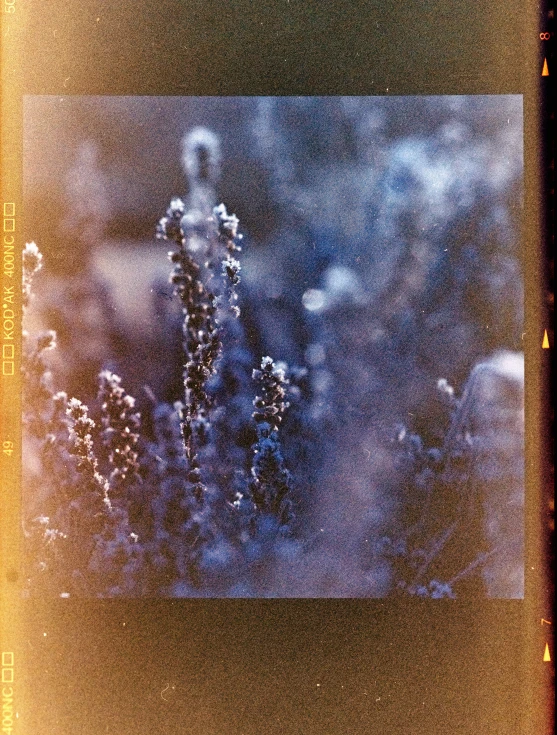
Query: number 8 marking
{"points": [[545, 36]]}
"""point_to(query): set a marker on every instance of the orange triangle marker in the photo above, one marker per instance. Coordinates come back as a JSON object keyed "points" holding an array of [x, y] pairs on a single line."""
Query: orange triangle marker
{"points": [[546, 656], [545, 343], [545, 70]]}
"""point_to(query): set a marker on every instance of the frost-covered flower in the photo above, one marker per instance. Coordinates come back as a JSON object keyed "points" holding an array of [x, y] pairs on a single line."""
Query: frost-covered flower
{"points": [[120, 428], [81, 436], [270, 406], [271, 482], [227, 223], [169, 227]]}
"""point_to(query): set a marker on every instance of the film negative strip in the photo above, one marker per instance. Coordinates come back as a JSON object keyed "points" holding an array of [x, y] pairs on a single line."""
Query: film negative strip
{"points": [[336, 394]]}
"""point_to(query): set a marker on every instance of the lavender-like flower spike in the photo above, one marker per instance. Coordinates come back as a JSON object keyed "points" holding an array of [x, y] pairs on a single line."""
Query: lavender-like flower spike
{"points": [[271, 481], [36, 377], [231, 270], [120, 424], [32, 263], [168, 228], [81, 437], [270, 406], [201, 335], [227, 225]]}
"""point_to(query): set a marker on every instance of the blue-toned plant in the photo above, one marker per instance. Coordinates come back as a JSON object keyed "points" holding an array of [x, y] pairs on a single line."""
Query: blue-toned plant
{"points": [[120, 435], [205, 276], [84, 545], [271, 483], [198, 500]]}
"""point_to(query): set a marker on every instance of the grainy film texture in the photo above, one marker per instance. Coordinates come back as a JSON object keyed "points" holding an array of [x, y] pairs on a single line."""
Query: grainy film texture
{"points": [[273, 347]]}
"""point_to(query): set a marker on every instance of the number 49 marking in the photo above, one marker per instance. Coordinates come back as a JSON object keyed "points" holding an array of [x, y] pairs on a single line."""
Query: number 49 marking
{"points": [[8, 448]]}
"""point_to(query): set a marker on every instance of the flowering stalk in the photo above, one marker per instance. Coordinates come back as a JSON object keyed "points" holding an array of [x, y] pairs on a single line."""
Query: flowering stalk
{"points": [[228, 234], [81, 428], [201, 339], [106, 555], [32, 263], [271, 482], [36, 377], [201, 327], [120, 424]]}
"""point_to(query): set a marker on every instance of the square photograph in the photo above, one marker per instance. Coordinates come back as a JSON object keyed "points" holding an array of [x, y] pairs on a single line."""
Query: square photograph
{"points": [[273, 347]]}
